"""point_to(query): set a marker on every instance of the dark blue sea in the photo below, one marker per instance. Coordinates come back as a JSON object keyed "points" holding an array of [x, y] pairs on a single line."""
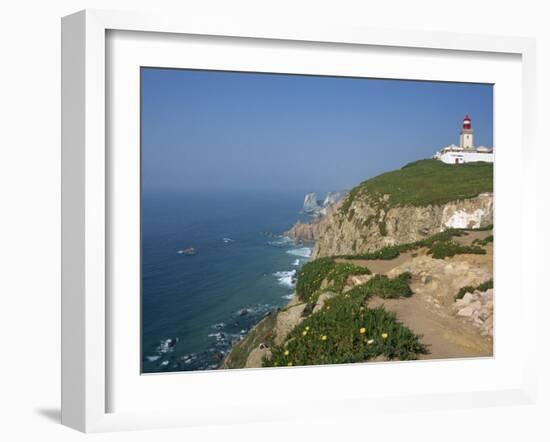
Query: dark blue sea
{"points": [[195, 307]]}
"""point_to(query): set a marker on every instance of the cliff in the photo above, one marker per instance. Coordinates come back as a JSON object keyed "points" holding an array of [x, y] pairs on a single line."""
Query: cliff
{"points": [[311, 204], [405, 206], [430, 296], [309, 231], [427, 307], [368, 226]]}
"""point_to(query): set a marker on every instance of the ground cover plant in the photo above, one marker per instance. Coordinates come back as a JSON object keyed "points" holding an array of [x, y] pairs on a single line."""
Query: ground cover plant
{"points": [[440, 245], [483, 241], [346, 330], [470, 289], [334, 274], [426, 182]]}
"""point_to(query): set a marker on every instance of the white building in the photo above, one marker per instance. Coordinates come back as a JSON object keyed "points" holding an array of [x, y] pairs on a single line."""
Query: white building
{"points": [[467, 152]]}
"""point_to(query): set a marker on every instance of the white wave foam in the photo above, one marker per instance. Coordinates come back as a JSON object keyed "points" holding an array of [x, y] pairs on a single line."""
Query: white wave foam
{"points": [[281, 241], [286, 278], [255, 310], [167, 345], [288, 296], [304, 252], [153, 358], [296, 262]]}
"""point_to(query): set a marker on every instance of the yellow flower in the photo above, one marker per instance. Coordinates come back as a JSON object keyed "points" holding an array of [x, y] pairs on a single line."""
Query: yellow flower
{"points": [[328, 307], [286, 352], [307, 328], [290, 364], [370, 341], [324, 338], [304, 333], [384, 335], [362, 308], [362, 330]]}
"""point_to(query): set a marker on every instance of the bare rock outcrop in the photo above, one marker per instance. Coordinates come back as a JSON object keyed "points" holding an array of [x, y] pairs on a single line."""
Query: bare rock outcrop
{"points": [[477, 308], [367, 224]]}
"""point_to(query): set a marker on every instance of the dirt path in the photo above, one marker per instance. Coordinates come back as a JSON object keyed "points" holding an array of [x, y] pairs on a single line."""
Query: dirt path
{"points": [[429, 312], [446, 336]]}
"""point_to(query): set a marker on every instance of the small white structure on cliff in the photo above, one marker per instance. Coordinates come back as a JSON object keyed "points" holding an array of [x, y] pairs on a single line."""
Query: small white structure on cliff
{"points": [[466, 152]]}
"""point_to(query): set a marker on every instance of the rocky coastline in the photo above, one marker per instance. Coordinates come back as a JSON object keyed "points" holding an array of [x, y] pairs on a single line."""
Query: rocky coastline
{"points": [[451, 306]]}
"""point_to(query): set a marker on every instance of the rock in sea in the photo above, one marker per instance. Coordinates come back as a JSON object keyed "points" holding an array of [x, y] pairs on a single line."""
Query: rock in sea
{"points": [[188, 251]]}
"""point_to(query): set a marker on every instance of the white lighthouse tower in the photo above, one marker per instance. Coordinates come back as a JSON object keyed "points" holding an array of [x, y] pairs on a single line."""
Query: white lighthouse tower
{"points": [[466, 152], [467, 134]]}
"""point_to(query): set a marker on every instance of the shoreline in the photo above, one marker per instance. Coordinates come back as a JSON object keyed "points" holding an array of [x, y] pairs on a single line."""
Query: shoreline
{"points": [[271, 315], [292, 301]]}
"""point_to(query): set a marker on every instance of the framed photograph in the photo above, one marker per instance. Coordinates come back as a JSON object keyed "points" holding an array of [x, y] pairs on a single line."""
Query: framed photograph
{"points": [[268, 222]]}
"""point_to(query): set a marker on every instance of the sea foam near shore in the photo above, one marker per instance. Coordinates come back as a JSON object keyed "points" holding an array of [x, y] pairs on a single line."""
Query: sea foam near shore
{"points": [[304, 252], [286, 278]]}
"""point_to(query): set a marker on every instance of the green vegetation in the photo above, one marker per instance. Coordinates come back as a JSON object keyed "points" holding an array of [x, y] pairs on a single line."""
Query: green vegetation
{"points": [[484, 241], [313, 273], [444, 249], [469, 289], [384, 287], [439, 246], [426, 182], [347, 331]]}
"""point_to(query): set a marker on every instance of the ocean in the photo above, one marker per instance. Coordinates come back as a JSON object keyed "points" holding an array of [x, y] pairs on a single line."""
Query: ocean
{"points": [[195, 307]]}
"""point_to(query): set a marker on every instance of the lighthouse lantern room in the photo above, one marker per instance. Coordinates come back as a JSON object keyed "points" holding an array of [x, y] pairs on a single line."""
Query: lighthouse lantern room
{"points": [[467, 134]]}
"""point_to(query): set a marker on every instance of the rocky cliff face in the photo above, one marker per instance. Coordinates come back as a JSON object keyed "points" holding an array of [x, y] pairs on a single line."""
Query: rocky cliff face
{"points": [[304, 231], [310, 203], [367, 224], [309, 231], [332, 198]]}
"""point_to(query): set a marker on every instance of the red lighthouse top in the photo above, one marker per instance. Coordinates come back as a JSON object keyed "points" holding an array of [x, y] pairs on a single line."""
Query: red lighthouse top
{"points": [[467, 123]]}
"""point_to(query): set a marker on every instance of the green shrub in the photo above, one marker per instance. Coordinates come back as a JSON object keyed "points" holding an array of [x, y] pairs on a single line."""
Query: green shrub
{"points": [[313, 273], [346, 330], [444, 249], [484, 241], [469, 289], [384, 287], [392, 252], [439, 246], [335, 336]]}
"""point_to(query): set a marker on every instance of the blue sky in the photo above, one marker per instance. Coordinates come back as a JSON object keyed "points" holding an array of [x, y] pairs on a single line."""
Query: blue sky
{"points": [[205, 130]]}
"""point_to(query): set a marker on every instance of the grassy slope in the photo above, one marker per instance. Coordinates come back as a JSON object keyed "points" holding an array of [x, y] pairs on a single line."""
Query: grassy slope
{"points": [[427, 182]]}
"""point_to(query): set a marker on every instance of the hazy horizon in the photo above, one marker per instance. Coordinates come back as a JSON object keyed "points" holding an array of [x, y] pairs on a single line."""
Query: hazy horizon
{"points": [[214, 130]]}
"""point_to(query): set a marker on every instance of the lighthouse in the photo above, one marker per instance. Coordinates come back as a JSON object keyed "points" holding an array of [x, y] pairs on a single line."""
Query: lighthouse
{"points": [[467, 134], [466, 152]]}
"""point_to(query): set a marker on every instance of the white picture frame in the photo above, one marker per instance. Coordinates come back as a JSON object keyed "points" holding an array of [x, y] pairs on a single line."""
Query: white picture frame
{"points": [[86, 204]]}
